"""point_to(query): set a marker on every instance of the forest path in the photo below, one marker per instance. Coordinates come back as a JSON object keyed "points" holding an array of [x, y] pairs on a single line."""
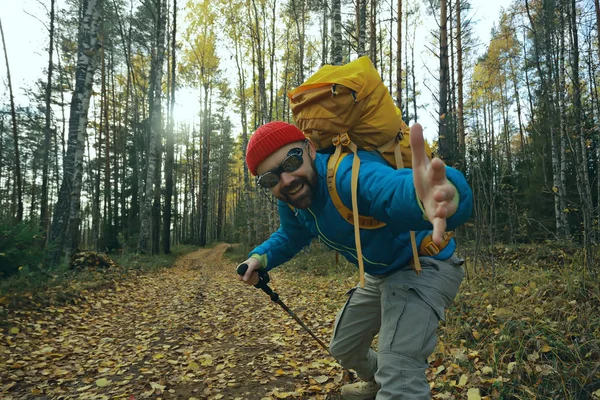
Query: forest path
{"points": [[190, 331]]}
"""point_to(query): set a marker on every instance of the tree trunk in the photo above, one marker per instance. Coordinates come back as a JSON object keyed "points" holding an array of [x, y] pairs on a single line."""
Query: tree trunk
{"points": [[258, 46], [324, 40], [585, 192], [373, 36], [205, 166], [444, 140], [361, 20], [47, 131], [64, 233], [170, 143], [597, 8], [336, 44], [459, 72], [399, 58], [155, 125], [18, 177]]}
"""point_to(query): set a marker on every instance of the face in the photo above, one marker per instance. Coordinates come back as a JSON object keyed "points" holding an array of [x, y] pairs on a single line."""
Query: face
{"points": [[293, 187]]}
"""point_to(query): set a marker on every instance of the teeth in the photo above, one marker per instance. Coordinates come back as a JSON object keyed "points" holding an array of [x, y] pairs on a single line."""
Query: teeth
{"points": [[296, 190]]}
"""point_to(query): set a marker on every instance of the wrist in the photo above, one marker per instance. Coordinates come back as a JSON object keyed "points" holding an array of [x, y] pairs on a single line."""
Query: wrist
{"points": [[261, 258]]}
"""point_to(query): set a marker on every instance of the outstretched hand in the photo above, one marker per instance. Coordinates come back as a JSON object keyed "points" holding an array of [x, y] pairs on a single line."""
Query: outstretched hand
{"points": [[432, 187]]}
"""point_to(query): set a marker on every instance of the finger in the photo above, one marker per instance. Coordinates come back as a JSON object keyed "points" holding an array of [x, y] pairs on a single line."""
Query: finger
{"points": [[437, 170], [254, 279], [444, 194], [439, 228], [417, 145], [248, 275]]}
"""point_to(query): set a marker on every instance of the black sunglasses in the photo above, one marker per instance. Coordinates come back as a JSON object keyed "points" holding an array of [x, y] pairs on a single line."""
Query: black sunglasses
{"points": [[292, 162]]}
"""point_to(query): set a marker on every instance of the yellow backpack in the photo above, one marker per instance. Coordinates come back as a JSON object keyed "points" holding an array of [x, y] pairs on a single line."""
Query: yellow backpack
{"points": [[350, 108]]}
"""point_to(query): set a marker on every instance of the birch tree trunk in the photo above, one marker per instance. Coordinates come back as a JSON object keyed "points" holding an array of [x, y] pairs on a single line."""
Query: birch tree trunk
{"points": [[324, 39], [361, 19], [64, 233], [336, 26]]}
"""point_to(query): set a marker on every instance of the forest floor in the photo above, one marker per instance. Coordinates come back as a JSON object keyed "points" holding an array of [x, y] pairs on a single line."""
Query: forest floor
{"points": [[191, 331], [526, 329]]}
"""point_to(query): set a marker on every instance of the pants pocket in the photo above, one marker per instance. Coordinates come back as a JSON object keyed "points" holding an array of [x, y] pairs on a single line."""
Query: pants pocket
{"points": [[340, 313], [409, 327]]}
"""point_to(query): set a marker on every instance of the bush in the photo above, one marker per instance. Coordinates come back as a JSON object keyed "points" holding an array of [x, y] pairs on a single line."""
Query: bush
{"points": [[19, 247]]}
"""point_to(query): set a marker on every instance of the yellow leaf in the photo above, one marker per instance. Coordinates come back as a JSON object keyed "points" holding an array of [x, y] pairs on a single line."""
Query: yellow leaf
{"points": [[280, 372], [193, 366], [487, 370], [283, 395], [473, 394], [546, 348], [102, 382], [158, 386], [159, 356], [207, 360], [321, 379], [14, 331], [476, 335], [538, 310], [463, 380], [511, 367]]}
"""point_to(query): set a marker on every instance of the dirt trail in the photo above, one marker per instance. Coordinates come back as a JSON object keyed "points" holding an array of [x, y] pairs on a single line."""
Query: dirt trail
{"points": [[191, 331]]}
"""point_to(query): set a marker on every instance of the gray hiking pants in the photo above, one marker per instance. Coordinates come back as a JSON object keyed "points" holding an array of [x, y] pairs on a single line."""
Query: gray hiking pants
{"points": [[404, 308]]}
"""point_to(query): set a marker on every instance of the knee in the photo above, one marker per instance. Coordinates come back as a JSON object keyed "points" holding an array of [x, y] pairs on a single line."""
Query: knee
{"points": [[339, 350]]}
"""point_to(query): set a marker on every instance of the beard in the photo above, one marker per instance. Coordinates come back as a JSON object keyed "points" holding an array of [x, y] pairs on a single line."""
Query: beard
{"points": [[299, 194]]}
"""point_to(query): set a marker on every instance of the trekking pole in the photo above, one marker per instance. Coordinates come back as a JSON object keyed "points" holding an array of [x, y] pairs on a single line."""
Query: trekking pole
{"points": [[263, 280]]}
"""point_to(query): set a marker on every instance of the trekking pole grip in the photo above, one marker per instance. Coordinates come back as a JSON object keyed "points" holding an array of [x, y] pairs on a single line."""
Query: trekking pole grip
{"points": [[263, 279]]}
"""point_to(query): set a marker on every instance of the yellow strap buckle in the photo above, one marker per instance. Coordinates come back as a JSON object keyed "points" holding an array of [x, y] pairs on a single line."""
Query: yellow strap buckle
{"points": [[431, 249], [341, 139], [428, 248]]}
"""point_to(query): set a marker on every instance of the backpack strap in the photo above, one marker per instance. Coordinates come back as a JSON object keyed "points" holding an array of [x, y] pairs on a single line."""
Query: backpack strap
{"points": [[415, 264], [343, 141], [364, 222]]}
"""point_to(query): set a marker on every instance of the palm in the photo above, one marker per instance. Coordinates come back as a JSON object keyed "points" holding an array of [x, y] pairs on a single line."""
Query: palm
{"points": [[432, 186]]}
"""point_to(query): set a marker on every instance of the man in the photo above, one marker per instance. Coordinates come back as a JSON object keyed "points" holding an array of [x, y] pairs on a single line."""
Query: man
{"points": [[403, 307]]}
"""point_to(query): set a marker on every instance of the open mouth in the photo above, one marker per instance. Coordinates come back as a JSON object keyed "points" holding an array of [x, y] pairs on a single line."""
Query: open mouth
{"points": [[295, 190]]}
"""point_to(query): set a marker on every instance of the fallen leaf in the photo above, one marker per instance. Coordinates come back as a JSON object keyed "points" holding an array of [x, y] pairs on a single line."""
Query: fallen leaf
{"points": [[473, 394], [102, 382]]}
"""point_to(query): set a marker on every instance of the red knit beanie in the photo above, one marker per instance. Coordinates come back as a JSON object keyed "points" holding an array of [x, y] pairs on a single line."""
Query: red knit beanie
{"points": [[269, 138]]}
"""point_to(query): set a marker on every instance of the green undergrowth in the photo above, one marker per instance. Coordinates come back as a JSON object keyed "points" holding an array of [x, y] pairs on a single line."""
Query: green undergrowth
{"points": [[34, 288], [525, 324], [529, 328]]}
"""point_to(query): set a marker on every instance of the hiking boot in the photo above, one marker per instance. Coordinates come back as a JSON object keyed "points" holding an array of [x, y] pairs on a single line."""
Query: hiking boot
{"points": [[360, 390]]}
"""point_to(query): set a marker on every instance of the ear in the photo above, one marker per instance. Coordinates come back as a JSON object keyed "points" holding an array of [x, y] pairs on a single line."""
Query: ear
{"points": [[312, 150]]}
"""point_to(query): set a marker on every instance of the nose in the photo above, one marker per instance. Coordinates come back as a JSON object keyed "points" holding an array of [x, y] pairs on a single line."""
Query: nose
{"points": [[285, 179]]}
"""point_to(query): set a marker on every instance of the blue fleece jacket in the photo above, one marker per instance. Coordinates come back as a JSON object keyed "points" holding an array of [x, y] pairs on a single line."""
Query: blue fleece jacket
{"points": [[385, 194]]}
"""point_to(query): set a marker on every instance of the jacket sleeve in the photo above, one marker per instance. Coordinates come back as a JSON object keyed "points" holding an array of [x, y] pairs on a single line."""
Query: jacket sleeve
{"points": [[286, 241], [389, 195]]}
